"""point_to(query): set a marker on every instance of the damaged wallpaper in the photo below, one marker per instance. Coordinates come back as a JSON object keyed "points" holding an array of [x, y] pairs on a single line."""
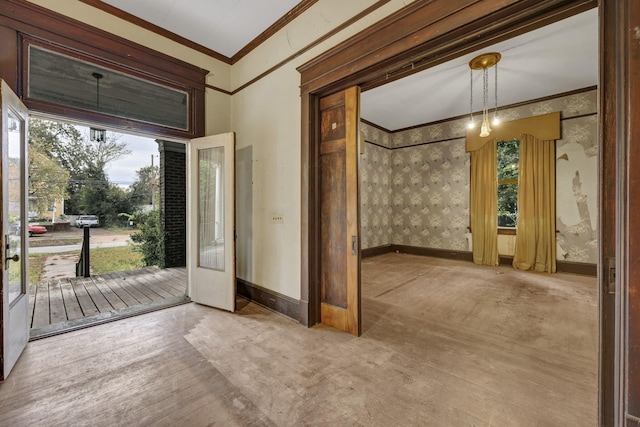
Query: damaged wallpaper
{"points": [[415, 183]]}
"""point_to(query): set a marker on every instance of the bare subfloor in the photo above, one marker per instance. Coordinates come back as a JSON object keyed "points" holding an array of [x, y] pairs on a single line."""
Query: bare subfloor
{"points": [[444, 343]]}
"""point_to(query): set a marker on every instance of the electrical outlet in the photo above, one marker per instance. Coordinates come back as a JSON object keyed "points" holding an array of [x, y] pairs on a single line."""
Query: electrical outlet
{"points": [[277, 218]]}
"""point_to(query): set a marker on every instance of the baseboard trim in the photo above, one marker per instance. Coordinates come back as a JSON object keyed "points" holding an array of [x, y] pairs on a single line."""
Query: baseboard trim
{"points": [[378, 250], [438, 253], [416, 250], [581, 268], [269, 299]]}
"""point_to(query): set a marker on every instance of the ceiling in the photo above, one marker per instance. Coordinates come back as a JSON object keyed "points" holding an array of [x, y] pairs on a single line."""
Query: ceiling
{"points": [[225, 26], [558, 58]]}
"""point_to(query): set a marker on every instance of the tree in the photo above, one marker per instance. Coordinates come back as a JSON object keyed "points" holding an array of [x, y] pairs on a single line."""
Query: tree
{"points": [[48, 177], [88, 187], [144, 189], [48, 181], [508, 157]]}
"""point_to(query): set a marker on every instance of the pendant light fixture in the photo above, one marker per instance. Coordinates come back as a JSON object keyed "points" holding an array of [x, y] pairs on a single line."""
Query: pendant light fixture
{"points": [[95, 134], [484, 62]]}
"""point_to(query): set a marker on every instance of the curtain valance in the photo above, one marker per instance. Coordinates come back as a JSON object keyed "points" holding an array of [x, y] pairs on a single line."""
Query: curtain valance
{"points": [[545, 128]]}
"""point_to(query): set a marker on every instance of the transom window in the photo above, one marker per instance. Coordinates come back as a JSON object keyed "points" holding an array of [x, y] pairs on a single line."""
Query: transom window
{"points": [[508, 158]]}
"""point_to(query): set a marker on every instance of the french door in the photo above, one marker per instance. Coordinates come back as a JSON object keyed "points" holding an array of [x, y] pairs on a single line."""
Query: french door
{"points": [[15, 296], [211, 226]]}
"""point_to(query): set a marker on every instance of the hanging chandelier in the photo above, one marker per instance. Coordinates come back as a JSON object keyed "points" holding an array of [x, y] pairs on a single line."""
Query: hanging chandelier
{"points": [[484, 62]]}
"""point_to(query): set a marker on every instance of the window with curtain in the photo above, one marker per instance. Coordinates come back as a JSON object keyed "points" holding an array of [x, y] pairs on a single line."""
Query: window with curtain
{"points": [[507, 160], [513, 185]]}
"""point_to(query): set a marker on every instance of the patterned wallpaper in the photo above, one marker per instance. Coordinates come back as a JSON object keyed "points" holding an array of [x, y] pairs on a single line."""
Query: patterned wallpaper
{"points": [[415, 183], [375, 196]]}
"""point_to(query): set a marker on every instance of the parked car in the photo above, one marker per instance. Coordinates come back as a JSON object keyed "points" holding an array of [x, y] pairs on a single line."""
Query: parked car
{"points": [[36, 229], [87, 221]]}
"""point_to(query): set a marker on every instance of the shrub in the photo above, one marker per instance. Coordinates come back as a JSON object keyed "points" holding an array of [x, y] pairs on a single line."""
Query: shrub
{"points": [[150, 238]]}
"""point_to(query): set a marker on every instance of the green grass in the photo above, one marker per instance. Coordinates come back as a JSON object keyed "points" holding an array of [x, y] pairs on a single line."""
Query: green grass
{"points": [[36, 263], [109, 260], [40, 241], [103, 260]]}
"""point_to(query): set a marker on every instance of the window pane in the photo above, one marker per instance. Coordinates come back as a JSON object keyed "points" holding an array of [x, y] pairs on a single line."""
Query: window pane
{"points": [[211, 208], [508, 153], [63, 80], [507, 205], [17, 279]]}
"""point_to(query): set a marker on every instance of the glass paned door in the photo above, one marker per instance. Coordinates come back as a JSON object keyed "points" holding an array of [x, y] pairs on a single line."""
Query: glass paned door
{"points": [[15, 305], [211, 266]]}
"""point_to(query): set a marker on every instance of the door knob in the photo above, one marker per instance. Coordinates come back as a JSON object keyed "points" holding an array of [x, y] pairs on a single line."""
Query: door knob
{"points": [[15, 258]]}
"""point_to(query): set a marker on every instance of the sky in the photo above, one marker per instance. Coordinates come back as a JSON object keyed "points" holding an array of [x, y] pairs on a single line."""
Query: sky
{"points": [[123, 171]]}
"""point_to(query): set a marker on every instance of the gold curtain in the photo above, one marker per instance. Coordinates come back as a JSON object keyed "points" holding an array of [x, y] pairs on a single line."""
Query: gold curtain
{"points": [[484, 204], [536, 230]]}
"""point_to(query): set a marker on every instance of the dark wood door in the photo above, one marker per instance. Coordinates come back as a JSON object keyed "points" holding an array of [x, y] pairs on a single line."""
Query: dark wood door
{"points": [[339, 216]]}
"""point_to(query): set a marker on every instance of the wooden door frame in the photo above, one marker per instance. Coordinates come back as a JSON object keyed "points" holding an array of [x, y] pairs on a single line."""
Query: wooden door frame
{"points": [[427, 33]]}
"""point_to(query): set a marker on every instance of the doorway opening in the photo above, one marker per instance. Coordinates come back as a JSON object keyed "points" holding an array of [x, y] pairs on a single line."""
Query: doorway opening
{"points": [[414, 214], [96, 252], [417, 163]]}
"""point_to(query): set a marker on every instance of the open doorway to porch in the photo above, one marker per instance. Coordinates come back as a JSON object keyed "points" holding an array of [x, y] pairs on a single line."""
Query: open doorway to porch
{"points": [[96, 245]]}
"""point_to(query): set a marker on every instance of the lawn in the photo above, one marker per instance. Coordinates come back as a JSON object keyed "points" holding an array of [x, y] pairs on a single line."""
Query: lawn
{"points": [[103, 260], [109, 260]]}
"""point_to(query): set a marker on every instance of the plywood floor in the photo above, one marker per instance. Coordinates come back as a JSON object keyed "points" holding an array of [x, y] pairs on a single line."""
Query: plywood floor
{"points": [[444, 343]]}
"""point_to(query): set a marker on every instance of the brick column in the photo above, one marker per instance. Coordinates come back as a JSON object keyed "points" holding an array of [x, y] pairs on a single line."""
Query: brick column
{"points": [[173, 201]]}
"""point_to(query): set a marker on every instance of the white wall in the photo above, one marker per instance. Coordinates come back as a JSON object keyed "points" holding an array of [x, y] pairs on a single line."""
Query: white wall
{"points": [[267, 117]]}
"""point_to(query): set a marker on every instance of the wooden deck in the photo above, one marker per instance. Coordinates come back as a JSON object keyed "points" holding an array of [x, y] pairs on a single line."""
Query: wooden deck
{"points": [[71, 303]]}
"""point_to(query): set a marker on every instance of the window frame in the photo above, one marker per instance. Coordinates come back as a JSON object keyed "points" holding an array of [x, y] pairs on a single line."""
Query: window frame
{"points": [[503, 230]]}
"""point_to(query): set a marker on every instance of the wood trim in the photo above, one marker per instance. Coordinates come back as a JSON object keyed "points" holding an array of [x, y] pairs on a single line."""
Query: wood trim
{"points": [[628, 213], [217, 89], [274, 28], [580, 268], [32, 23], [571, 267], [47, 25], [261, 38], [9, 54], [608, 395], [433, 252], [267, 298], [375, 251], [132, 19], [429, 32], [352, 124]]}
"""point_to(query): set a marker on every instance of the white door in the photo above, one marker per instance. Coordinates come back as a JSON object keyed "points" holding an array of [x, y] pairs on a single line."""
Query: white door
{"points": [[211, 258], [14, 314]]}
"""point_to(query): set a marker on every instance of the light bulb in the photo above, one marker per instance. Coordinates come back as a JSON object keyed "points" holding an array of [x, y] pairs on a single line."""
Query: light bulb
{"points": [[496, 121], [471, 125]]}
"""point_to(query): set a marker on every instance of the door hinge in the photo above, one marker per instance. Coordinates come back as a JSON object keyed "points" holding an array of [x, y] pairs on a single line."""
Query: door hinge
{"points": [[611, 275]]}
